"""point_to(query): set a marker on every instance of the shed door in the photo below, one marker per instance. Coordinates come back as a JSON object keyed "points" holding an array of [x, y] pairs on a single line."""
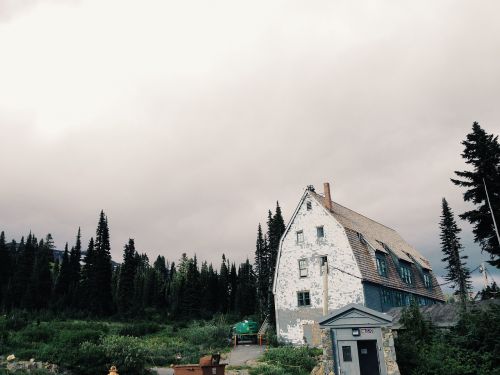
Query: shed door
{"points": [[348, 355], [368, 357]]}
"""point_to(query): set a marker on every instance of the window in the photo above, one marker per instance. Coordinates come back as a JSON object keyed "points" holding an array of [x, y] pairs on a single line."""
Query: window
{"points": [[346, 354], [320, 232], [309, 206], [303, 267], [386, 297], [398, 299], [303, 299], [381, 265], [323, 262], [427, 280], [300, 236], [405, 272]]}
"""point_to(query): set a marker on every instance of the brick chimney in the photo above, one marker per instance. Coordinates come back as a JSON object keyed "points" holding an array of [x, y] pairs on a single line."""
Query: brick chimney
{"points": [[327, 200]]}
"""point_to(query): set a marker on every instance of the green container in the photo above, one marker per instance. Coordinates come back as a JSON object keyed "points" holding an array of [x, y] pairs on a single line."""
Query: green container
{"points": [[246, 327]]}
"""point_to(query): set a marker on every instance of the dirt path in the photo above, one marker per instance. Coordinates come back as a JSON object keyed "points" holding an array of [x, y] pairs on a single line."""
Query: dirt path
{"points": [[237, 357], [243, 353]]}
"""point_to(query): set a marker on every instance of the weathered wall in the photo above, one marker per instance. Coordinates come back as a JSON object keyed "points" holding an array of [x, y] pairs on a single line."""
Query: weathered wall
{"points": [[342, 288], [389, 352]]}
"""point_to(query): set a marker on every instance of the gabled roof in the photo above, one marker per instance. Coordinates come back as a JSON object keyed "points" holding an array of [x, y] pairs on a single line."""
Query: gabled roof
{"points": [[362, 316], [377, 235]]}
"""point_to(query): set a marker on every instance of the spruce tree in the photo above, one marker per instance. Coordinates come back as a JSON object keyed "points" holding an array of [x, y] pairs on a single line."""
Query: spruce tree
{"points": [[75, 270], [126, 279], [101, 303], [457, 271], [482, 152], [64, 279], [23, 272], [223, 288], [42, 275], [6, 264], [261, 271], [87, 277]]}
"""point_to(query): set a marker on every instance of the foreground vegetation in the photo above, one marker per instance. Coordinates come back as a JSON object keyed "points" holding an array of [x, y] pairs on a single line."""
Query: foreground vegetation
{"points": [[287, 360], [472, 347], [90, 347]]}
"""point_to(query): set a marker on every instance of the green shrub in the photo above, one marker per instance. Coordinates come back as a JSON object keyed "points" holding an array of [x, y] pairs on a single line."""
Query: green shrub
{"points": [[126, 352], [139, 329], [296, 361], [37, 333], [266, 369]]}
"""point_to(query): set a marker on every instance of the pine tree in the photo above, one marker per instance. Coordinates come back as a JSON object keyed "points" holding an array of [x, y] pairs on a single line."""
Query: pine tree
{"points": [[457, 271], [6, 264], [261, 271], [223, 288], [22, 274], [126, 280], [42, 276], [482, 152], [87, 276], [276, 228], [101, 303], [64, 279], [75, 270], [246, 293]]}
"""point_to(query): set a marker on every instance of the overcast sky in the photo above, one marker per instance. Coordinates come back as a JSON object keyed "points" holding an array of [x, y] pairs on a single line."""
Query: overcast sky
{"points": [[186, 120]]}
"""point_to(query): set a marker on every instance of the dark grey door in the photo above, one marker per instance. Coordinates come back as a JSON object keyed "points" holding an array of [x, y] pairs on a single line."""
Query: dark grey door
{"points": [[368, 357]]}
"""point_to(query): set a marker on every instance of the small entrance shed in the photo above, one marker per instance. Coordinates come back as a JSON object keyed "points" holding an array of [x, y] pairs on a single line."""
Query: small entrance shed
{"points": [[358, 341]]}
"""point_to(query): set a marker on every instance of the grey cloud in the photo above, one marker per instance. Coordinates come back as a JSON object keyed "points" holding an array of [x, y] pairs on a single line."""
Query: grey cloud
{"points": [[187, 126]]}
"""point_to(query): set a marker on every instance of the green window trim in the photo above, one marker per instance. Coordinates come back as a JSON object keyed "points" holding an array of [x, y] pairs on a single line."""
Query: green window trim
{"points": [[381, 265], [406, 274]]}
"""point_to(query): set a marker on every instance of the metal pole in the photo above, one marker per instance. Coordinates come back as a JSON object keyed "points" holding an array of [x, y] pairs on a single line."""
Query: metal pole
{"points": [[325, 289], [491, 211]]}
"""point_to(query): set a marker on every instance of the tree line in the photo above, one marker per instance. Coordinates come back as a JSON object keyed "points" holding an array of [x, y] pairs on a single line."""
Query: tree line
{"points": [[86, 280]]}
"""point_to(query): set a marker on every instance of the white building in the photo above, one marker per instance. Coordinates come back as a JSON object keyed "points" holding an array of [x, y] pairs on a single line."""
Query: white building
{"points": [[365, 262]]}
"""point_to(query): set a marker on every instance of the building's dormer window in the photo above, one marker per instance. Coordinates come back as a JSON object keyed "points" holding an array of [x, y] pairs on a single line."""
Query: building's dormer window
{"points": [[309, 206], [405, 273], [324, 263], [300, 236], [381, 264], [427, 280], [303, 298], [303, 267], [320, 232]]}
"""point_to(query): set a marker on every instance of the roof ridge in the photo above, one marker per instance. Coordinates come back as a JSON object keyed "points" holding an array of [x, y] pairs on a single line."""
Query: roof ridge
{"points": [[357, 213]]}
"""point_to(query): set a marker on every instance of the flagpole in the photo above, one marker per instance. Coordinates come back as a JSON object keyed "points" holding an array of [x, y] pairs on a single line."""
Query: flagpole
{"points": [[491, 211]]}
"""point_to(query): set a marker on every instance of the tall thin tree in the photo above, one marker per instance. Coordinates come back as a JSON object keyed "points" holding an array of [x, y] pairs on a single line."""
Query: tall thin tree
{"points": [[457, 271]]}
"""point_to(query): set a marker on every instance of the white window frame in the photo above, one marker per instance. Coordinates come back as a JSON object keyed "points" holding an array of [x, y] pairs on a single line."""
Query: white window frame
{"points": [[300, 236], [303, 268]]}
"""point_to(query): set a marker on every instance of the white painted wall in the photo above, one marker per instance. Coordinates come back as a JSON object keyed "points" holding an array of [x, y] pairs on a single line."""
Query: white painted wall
{"points": [[342, 288]]}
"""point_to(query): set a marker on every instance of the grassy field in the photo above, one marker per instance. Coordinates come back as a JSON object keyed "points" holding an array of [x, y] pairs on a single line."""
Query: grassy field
{"points": [[90, 347]]}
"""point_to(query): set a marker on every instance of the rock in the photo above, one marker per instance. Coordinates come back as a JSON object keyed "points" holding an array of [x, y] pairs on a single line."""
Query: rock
{"points": [[11, 358]]}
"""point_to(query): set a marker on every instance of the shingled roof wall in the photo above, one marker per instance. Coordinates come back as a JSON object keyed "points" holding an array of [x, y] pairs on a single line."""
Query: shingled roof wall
{"points": [[378, 235]]}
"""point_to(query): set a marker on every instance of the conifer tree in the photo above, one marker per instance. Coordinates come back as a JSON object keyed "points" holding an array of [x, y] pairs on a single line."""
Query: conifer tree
{"points": [[6, 264], [75, 256], [64, 278], [126, 280], [457, 271], [87, 276], [482, 152], [246, 292], [23, 272], [42, 276], [223, 288], [261, 271], [101, 303]]}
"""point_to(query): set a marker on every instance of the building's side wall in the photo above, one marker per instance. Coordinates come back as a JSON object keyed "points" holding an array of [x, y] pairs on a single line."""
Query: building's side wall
{"points": [[342, 287]]}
